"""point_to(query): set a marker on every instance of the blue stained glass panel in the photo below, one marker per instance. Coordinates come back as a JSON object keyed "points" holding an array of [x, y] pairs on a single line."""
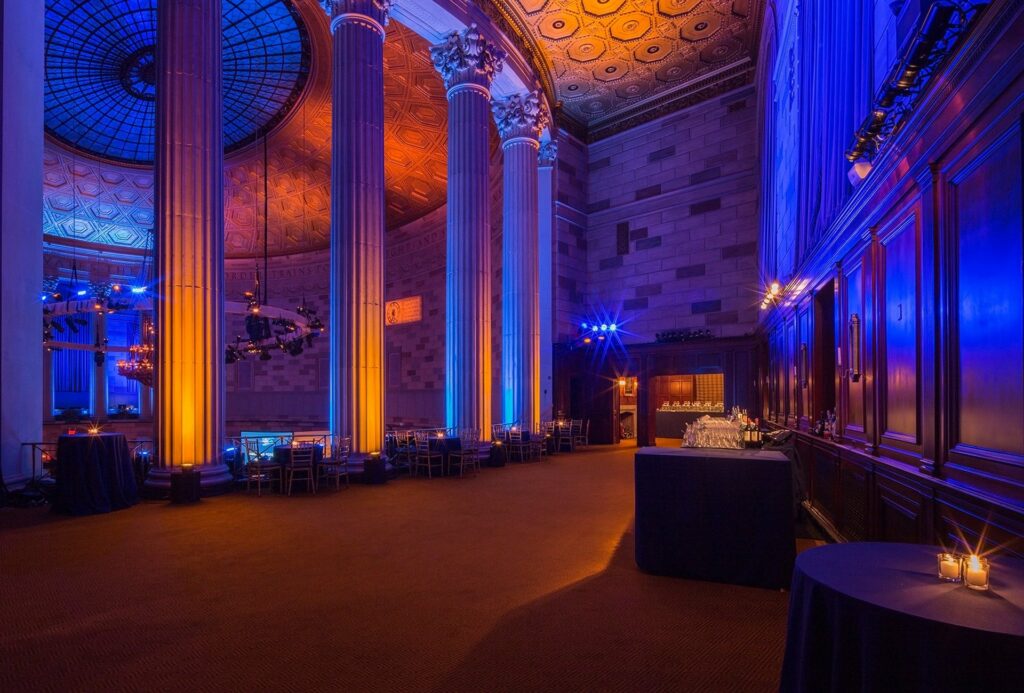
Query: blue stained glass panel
{"points": [[100, 91]]}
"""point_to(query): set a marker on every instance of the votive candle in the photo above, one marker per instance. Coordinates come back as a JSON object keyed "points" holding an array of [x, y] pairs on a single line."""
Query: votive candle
{"points": [[949, 567], [976, 572]]}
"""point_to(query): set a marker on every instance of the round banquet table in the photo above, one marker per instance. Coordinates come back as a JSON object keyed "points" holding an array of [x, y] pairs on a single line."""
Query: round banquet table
{"points": [[874, 617], [283, 454], [94, 474]]}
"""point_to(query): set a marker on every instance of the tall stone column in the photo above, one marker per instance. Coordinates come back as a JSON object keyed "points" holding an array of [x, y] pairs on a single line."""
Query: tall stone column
{"points": [[189, 362], [468, 62], [545, 253], [21, 243], [520, 118], [357, 221]]}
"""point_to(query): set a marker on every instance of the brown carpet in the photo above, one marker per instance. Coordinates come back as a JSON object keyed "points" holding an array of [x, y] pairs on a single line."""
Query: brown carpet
{"points": [[519, 579]]}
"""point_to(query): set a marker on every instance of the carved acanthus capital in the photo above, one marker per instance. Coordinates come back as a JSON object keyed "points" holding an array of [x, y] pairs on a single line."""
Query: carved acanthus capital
{"points": [[520, 115], [466, 57], [377, 11], [548, 153]]}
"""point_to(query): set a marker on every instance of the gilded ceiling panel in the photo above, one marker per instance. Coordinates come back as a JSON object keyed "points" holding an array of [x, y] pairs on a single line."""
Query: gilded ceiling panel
{"points": [[610, 59]]}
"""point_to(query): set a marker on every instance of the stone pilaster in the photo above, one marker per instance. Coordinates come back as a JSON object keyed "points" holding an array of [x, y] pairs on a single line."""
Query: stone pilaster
{"points": [[189, 406], [520, 118], [357, 221], [468, 62], [546, 254]]}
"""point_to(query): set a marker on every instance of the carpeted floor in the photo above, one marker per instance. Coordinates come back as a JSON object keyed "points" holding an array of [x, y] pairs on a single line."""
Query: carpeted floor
{"points": [[519, 579]]}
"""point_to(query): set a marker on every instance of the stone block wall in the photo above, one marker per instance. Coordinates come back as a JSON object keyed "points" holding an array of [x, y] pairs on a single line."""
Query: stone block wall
{"points": [[672, 222], [570, 237]]}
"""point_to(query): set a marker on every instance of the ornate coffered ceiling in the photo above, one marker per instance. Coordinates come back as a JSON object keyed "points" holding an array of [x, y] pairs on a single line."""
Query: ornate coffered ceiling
{"points": [[99, 202], [613, 63]]}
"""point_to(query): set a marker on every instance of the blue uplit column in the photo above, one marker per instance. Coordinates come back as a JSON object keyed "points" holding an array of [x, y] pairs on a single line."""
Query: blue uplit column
{"points": [[545, 253], [357, 221], [468, 62], [21, 241], [189, 242], [520, 120]]}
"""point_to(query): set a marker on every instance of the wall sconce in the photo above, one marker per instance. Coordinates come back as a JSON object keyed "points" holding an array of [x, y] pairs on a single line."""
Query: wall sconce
{"points": [[803, 365], [772, 295], [860, 170], [854, 348]]}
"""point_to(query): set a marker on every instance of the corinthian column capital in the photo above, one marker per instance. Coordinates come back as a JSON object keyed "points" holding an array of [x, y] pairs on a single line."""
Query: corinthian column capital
{"points": [[548, 153], [466, 57], [520, 115], [374, 12]]}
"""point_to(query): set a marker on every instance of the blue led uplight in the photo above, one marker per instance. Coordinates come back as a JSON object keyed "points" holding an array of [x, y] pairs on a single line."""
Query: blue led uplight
{"points": [[100, 90]]}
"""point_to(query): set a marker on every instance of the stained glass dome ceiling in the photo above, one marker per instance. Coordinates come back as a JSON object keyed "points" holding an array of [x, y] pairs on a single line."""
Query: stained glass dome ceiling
{"points": [[101, 79]]}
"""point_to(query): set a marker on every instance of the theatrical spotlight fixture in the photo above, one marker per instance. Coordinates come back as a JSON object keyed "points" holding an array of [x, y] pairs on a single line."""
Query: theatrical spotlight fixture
{"points": [[772, 295], [593, 332]]}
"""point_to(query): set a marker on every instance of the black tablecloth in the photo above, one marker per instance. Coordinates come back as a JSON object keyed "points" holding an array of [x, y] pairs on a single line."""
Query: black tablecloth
{"points": [[874, 617], [94, 474], [283, 454], [719, 515]]}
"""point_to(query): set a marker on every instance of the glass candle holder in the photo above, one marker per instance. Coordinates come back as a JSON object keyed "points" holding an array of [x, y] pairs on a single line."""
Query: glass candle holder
{"points": [[949, 567], [976, 572]]}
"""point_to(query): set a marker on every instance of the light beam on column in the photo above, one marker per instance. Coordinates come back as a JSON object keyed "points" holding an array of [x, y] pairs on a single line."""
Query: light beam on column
{"points": [[189, 242], [468, 62], [357, 221], [520, 118], [545, 253]]}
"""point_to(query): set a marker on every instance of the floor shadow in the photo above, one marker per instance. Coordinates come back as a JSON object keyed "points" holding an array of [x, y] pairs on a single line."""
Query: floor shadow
{"points": [[622, 629]]}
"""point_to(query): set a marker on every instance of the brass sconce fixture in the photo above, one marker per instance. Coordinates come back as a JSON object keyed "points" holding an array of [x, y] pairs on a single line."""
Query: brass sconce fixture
{"points": [[803, 365], [854, 348]]}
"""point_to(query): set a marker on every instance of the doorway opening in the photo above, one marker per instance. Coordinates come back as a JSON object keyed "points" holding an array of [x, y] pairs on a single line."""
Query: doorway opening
{"points": [[627, 410], [681, 399]]}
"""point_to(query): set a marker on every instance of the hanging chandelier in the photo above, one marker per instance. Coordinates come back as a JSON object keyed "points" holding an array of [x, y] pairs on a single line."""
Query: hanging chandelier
{"points": [[268, 328], [139, 364]]}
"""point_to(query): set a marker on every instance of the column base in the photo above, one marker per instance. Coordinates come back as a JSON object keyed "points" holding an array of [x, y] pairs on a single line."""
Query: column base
{"points": [[215, 479]]}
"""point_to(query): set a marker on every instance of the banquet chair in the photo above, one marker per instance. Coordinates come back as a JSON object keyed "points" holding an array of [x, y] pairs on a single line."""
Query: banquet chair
{"points": [[406, 449], [468, 454], [516, 444], [582, 434], [336, 465], [425, 457], [564, 438], [259, 470], [300, 462], [539, 444]]}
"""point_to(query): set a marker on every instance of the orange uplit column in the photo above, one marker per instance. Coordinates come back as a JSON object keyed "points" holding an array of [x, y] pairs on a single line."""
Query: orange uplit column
{"points": [[521, 118], [468, 63], [357, 221], [189, 406]]}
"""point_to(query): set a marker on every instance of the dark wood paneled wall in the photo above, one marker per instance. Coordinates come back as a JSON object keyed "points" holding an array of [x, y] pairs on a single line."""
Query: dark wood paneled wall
{"points": [[928, 257]]}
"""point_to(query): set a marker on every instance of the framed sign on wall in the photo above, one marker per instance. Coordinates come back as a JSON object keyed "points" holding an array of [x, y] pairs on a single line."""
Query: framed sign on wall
{"points": [[403, 310]]}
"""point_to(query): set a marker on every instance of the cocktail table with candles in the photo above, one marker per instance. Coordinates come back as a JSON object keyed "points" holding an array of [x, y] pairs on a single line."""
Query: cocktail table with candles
{"points": [[877, 617], [94, 474]]}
